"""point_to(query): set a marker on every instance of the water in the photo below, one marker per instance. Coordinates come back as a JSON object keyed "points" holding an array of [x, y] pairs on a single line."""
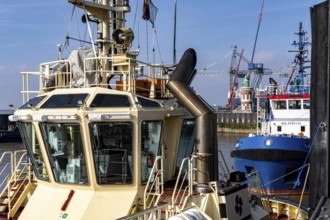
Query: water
{"points": [[11, 147], [227, 143], [5, 168]]}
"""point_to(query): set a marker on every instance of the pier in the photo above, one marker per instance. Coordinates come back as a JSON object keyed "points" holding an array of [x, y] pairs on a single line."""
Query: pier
{"points": [[319, 189]]}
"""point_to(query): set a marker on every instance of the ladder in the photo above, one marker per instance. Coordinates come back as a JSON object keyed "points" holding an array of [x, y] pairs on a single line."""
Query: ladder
{"points": [[18, 182]]}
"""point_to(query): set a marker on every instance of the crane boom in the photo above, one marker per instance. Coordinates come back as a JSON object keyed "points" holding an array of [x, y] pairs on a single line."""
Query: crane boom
{"points": [[256, 38], [232, 88]]}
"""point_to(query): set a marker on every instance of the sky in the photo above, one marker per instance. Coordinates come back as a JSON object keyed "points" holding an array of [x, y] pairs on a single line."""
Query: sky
{"points": [[31, 31]]}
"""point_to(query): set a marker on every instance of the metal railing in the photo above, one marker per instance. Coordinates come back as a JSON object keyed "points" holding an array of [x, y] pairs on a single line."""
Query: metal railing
{"points": [[283, 89], [7, 159], [180, 189], [155, 184], [128, 72], [21, 176], [17, 182], [153, 213], [257, 187]]}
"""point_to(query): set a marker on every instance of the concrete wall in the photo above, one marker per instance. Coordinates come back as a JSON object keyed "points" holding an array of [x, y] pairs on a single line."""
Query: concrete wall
{"points": [[232, 122]]}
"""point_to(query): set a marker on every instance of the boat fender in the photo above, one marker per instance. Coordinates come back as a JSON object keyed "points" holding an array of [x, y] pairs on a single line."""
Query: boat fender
{"points": [[150, 160]]}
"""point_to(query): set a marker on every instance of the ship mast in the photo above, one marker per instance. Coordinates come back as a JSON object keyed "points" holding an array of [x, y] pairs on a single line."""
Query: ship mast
{"points": [[301, 54], [112, 35]]}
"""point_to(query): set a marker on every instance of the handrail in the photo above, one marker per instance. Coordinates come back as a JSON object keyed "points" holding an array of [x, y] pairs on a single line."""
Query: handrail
{"points": [[155, 211], [22, 174], [11, 158], [281, 89], [260, 186], [5, 168], [178, 188], [60, 70], [60, 74], [223, 166], [155, 183]]}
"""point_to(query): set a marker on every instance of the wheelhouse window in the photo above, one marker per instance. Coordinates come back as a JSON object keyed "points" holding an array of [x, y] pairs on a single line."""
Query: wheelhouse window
{"points": [[279, 104], [150, 144], [65, 101], [302, 128], [294, 104], [187, 141], [110, 100], [112, 152], [33, 102], [306, 104], [33, 148], [148, 103], [65, 150]]}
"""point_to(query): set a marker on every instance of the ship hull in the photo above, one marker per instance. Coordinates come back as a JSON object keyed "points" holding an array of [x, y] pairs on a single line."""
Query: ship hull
{"points": [[277, 160]]}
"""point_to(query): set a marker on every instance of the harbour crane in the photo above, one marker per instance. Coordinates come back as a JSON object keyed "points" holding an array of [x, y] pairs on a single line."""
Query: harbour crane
{"points": [[257, 68], [230, 102]]}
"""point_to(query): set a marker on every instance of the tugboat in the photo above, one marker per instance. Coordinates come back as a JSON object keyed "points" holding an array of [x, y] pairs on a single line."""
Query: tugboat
{"points": [[279, 151], [106, 140]]}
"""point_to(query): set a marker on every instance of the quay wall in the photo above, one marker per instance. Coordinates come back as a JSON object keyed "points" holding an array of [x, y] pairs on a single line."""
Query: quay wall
{"points": [[236, 122]]}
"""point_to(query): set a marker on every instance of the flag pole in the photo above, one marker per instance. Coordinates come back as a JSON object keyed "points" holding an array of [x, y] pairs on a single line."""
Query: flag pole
{"points": [[174, 40], [152, 92]]}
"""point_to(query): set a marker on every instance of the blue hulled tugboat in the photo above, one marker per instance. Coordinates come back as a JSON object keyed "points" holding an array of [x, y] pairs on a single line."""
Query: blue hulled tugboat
{"points": [[280, 148]]}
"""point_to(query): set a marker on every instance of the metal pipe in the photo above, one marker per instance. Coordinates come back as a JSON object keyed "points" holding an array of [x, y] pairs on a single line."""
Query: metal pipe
{"points": [[206, 139]]}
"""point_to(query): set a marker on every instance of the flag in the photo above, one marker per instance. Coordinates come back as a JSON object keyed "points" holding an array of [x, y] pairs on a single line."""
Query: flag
{"points": [[146, 10], [149, 11]]}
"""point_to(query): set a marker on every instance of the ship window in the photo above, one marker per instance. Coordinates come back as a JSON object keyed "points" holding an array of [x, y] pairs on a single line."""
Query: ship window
{"points": [[148, 103], [64, 146], [279, 128], [306, 104], [150, 142], [294, 104], [302, 129], [279, 104], [110, 100], [112, 152], [33, 148], [64, 101], [32, 103], [186, 143]]}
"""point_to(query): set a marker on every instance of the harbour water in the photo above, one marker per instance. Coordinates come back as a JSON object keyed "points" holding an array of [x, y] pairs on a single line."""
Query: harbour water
{"points": [[227, 143]]}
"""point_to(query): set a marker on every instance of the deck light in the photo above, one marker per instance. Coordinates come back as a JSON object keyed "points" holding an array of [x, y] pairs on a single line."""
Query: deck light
{"points": [[15, 118], [43, 118], [103, 117]]}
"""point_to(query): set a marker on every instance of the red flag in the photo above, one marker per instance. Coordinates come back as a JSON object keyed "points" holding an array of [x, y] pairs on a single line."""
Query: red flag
{"points": [[149, 11], [146, 10]]}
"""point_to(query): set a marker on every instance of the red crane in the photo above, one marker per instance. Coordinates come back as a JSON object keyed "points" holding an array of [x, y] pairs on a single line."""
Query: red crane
{"points": [[230, 102]]}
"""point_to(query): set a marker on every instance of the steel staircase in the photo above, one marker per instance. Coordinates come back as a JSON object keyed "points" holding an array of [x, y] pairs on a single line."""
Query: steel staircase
{"points": [[17, 183]]}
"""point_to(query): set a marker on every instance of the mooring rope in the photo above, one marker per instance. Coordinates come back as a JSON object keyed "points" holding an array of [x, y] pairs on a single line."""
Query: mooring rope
{"points": [[321, 125], [281, 177]]}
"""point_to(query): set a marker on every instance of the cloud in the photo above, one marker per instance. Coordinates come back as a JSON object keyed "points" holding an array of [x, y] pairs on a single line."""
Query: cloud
{"points": [[264, 56]]}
